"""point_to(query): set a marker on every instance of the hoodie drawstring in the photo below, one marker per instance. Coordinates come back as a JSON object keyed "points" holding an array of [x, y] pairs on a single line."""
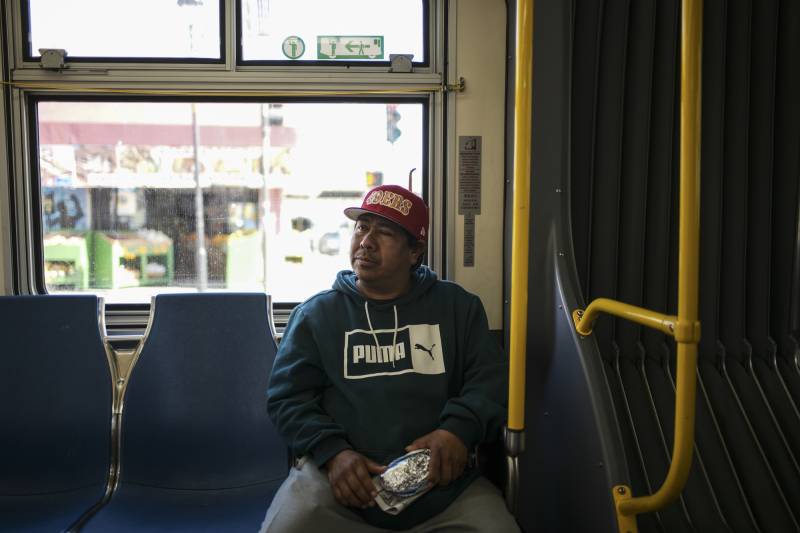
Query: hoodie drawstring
{"points": [[372, 330]]}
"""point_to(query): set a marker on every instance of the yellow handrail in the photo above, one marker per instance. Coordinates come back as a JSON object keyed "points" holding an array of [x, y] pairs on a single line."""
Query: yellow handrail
{"points": [[584, 319], [685, 328], [521, 216]]}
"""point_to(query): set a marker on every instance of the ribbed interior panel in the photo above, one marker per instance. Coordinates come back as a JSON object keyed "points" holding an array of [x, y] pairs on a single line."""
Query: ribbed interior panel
{"points": [[624, 199]]}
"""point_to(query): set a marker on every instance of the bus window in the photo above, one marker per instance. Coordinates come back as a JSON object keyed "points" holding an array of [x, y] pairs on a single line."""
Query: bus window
{"points": [[143, 197], [349, 30], [122, 29]]}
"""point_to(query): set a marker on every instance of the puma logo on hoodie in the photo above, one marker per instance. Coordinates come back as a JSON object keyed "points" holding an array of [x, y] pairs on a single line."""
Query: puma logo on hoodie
{"points": [[371, 353]]}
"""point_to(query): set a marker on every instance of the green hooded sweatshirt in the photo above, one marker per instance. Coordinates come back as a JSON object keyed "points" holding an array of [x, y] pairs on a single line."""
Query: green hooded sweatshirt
{"points": [[373, 376]]}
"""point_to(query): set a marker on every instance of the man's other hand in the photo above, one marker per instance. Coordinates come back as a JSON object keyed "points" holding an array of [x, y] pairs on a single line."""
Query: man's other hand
{"points": [[448, 455], [350, 476]]}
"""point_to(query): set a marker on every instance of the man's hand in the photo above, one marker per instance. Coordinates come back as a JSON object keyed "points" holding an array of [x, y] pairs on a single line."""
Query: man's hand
{"points": [[448, 455], [350, 475]]}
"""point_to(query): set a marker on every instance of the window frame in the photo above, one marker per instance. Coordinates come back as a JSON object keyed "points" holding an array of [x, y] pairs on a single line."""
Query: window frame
{"points": [[426, 49], [28, 83], [35, 187], [230, 60], [28, 52]]}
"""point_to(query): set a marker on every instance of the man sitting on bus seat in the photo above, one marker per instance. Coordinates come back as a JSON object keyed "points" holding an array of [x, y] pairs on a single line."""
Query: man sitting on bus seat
{"points": [[388, 361]]}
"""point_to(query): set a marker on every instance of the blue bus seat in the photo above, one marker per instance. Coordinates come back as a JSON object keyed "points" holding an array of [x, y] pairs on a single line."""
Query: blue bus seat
{"points": [[198, 451], [55, 411]]}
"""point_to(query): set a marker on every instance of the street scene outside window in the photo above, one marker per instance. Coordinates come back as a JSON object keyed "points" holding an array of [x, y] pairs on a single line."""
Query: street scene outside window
{"points": [[145, 197]]}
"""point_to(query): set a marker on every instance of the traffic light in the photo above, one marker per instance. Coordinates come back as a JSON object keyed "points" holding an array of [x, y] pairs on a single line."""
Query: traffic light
{"points": [[392, 117]]}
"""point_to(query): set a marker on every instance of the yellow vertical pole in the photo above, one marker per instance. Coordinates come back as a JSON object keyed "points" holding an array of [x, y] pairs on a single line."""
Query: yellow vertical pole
{"points": [[688, 265], [521, 216], [689, 226], [689, 229]]}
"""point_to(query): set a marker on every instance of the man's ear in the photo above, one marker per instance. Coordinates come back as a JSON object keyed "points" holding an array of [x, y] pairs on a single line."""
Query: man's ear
{"points": [[418, 251]]}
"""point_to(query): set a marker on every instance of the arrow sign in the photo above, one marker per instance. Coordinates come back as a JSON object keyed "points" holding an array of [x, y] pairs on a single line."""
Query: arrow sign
{"points": [[350, 47]]}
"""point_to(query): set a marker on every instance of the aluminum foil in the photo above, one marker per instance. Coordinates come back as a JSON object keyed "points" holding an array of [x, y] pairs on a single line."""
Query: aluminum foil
{"points": [[408, 474]]}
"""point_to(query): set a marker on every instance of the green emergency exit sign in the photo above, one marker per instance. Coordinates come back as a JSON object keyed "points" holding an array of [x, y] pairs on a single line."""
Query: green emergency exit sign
{"points": [[350, 47]]}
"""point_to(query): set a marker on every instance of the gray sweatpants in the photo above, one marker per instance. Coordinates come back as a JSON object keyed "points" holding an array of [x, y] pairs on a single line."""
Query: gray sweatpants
{"points": [[305, 504]]}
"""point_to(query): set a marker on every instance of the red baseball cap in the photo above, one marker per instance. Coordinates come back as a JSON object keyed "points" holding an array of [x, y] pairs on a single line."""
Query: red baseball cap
{"points": [[397, 204]]}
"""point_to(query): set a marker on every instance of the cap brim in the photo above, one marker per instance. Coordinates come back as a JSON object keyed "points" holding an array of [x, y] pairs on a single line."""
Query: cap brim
{"points": [[354, 212]]}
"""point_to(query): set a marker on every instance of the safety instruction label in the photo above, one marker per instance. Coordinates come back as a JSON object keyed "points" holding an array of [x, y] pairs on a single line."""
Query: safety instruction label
{"points": [[469, 240], [469, 175], [350, 47], [293, 47]]}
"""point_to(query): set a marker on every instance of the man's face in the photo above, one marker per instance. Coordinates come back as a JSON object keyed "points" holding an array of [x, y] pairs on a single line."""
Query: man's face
{"points": [[379, 252]]}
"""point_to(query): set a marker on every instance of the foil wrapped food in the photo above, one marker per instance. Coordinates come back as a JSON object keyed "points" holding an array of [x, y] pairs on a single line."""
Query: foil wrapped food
{"points": [[408, 474], [404, 481]]}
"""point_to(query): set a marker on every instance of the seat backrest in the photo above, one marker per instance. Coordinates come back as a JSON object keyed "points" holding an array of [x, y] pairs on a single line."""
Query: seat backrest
{"points": [[195, 412], [55, 395]]}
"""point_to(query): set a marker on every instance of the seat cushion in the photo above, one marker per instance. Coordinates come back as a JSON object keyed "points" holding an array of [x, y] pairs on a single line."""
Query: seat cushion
{"points": [[55, 411], [47, 512], [135, 508], [195, 413]]}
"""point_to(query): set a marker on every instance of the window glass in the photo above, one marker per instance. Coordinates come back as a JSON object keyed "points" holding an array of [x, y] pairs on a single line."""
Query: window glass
{"points": [[346, 30], [125, 28], [144, 197]]}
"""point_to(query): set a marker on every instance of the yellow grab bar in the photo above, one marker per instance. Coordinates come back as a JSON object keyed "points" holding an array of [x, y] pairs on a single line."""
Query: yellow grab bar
{"points": [[683, 331], [685, 328], [521, 216], [686, 334]]}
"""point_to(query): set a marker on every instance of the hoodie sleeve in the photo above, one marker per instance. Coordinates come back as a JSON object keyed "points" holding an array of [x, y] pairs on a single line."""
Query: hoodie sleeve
{"points": [[478, 412], [295, 395]]}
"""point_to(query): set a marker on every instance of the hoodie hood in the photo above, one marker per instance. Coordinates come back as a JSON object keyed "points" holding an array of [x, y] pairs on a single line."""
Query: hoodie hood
{"points": [[423, 279]]}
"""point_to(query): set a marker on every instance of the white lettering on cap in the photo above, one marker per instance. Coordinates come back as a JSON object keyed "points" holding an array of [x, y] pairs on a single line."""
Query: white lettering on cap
{"points": [[390, 199]]}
